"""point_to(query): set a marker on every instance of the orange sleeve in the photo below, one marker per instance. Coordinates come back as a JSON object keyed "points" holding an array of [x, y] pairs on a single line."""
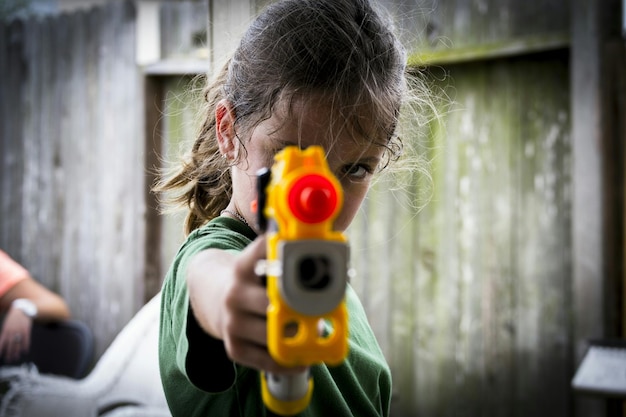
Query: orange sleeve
{"points": [[10, 273]]}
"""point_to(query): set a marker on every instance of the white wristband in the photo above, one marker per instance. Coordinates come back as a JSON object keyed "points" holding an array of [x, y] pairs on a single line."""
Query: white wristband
{"points": [[26, 306]]}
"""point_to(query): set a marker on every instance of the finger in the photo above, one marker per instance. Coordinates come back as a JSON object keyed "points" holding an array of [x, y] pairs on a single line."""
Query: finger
{"points": [[3, 346], [24, 346], [247, 327], [17, 346], [244, 268], [248, 298], [9, 351], [257, 357], [26, 342], [13, 351]]}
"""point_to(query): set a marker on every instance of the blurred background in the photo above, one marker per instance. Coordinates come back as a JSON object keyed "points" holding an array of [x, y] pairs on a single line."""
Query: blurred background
{"points": [[484, 283]]}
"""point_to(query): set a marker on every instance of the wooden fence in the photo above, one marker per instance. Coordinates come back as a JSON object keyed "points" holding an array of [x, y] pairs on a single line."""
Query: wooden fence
{"points": [[71, 149]]}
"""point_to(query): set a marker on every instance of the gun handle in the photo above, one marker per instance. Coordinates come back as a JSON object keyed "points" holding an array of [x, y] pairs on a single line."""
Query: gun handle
{"points": [[287, 395]]}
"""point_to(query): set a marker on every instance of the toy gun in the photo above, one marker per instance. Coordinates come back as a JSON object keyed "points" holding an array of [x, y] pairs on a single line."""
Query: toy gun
{"points": [[307, 272]]}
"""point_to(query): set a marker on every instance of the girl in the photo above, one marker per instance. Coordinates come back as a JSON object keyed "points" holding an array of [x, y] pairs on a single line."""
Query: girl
{"points": [[307, 72]]}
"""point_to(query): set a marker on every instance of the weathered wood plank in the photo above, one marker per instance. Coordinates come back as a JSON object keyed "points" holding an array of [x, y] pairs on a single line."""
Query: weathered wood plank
{"points": [[62, 98], [32, 149], [544, 247], [591, 22], [14, 68]]}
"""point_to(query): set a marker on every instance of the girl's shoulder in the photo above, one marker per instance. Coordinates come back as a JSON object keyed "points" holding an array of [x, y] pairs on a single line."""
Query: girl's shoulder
{"points": [[222, 233]]}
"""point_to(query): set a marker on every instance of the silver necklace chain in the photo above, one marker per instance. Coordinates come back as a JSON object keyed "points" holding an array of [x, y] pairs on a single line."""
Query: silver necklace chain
{"points": [[236, 215]]}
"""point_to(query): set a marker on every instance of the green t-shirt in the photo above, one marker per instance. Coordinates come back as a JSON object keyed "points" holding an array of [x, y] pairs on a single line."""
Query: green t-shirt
{"points": [[200, 380]]}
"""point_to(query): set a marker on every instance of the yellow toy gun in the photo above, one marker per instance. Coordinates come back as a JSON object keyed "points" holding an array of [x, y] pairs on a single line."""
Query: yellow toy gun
{"points": [[307, 273]]}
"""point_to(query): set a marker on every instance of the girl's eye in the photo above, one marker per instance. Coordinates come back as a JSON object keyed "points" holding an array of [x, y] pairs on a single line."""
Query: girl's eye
{"points": [[356, 172]]}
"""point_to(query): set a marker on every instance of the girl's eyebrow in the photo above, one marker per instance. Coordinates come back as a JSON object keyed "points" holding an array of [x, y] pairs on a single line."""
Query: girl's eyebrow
{"points": [[363, 159], [371, 159]]}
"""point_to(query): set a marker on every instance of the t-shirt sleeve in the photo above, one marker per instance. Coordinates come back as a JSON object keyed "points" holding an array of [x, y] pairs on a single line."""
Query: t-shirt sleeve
{"points": [[10, 273], [198, 355]]}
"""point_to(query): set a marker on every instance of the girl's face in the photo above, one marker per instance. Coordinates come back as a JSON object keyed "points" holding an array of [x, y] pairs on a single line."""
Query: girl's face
{"points": [[352, 158]]}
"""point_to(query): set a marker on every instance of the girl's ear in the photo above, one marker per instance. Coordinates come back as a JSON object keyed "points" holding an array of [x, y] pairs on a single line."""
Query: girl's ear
{"points": [[225, 129]]}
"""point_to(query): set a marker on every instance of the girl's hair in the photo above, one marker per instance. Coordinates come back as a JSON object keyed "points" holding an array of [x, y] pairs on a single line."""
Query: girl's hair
{"points": [[341, 50]]}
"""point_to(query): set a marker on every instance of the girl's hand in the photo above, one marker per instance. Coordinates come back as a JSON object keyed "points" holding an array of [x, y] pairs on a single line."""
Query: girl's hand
{"points": [[15, 335], [230, 303]]}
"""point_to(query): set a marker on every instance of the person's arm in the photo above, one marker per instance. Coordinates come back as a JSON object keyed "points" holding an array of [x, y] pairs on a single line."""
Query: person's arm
{"points": [[230, 304], [17, 302], [50, 306]]}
